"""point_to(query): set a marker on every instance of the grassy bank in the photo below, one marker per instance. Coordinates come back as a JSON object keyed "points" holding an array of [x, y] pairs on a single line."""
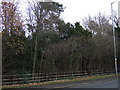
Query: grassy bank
{"points": [[60, 81]]}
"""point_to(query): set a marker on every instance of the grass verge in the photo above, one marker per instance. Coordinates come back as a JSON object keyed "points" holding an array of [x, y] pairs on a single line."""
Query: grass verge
{"points": [[60, 81]]}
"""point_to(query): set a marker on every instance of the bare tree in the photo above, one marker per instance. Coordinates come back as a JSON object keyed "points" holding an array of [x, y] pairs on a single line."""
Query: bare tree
{"points": [[99, 24], [43, 16], [102, 35]]}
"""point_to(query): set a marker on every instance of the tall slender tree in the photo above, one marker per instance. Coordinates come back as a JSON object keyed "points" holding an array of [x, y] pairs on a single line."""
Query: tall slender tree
{"points": [[46, 15], [12, 33]]}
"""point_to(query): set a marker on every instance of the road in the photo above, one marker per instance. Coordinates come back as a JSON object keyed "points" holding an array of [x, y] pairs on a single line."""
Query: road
{"points": [[98, 84], [102, 83]]}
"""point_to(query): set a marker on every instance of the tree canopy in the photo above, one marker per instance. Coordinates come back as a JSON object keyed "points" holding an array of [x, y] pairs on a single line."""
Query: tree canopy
{"points": [[51, 45]]}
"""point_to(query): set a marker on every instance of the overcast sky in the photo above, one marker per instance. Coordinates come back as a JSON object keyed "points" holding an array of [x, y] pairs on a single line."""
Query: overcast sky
{"points": [[76, 10]]}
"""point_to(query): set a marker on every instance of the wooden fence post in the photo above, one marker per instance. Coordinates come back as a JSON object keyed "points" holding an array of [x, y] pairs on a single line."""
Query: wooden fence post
{"points": [[56, 76], [13, 79]]}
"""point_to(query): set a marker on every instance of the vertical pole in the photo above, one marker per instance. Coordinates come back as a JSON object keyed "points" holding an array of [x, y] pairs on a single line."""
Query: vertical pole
{"points": [[0, 61], [119, 13], [114, 39], [56, 76]]}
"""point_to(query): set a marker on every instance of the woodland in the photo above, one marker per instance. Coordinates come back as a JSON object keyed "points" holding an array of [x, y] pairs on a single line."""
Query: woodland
{"points": [[44, 43]]}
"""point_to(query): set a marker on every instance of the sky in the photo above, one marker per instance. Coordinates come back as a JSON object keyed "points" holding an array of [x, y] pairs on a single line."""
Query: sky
{"points": [[76, 10]]}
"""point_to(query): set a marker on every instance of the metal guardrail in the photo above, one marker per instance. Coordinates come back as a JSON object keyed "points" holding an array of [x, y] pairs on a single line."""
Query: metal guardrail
{"points": [[44, 77]]}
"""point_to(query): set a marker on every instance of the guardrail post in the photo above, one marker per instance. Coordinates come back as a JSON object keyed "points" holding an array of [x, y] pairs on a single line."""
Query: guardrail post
{"points": [[56, 76], [13, 79], [46, 77], [72, 74], [64, 75], [85, 72]]}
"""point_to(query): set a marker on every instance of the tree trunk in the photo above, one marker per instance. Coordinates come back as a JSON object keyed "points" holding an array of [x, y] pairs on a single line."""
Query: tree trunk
{"points": [[35, 56]]}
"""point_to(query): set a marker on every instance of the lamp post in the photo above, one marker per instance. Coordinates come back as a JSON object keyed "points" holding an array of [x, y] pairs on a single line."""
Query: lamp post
{"points": [[114, 38]]}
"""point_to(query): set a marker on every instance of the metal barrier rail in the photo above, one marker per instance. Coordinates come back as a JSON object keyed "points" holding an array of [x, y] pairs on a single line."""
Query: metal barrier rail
{"points": [[43, 77]]}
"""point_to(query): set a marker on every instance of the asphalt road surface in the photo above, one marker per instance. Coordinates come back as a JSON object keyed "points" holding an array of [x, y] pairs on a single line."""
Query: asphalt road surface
{"points": [[98, 84], [102, 83]]}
